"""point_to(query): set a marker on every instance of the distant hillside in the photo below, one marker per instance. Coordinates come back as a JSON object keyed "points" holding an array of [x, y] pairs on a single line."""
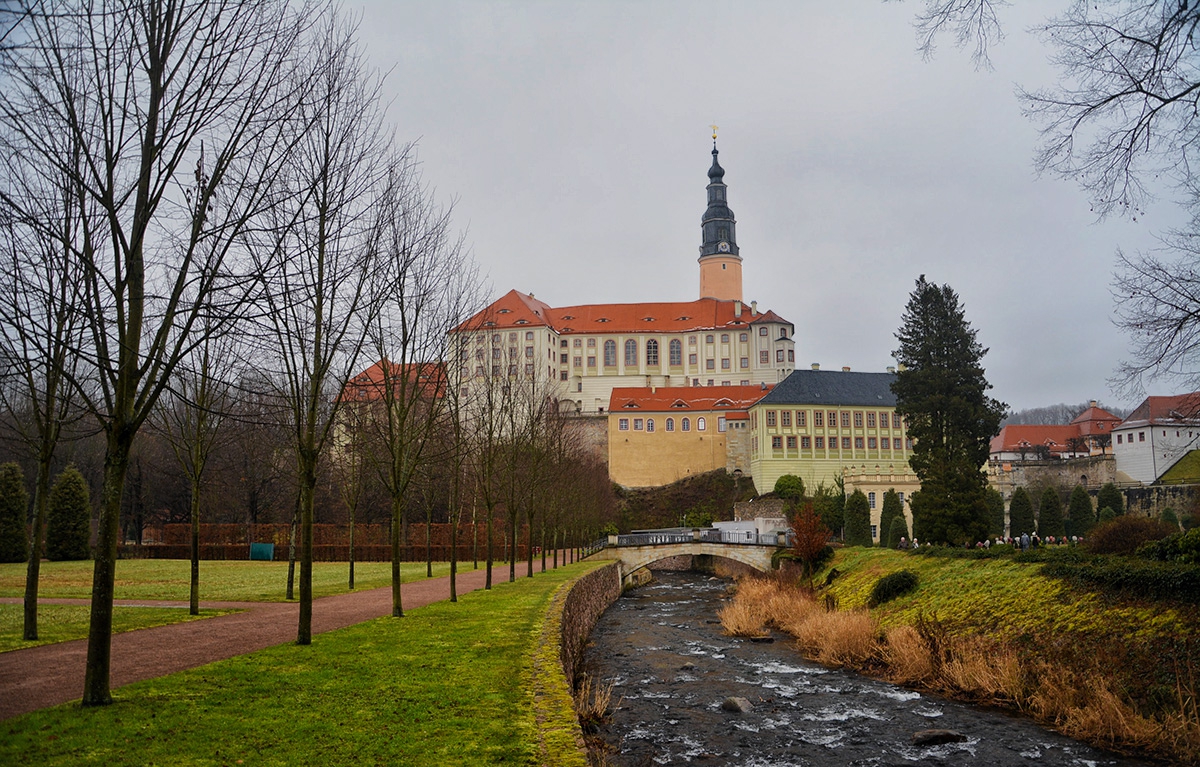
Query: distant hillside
{"points": [[703, 496], [1057, 415]]}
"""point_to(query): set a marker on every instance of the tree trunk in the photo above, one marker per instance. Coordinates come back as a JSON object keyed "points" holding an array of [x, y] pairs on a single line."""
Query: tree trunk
{"points": [[194, 586], [291, 579], [351, 584], [488, 544], [41, 505], [99, 653], [397, 551], [309, 480]]}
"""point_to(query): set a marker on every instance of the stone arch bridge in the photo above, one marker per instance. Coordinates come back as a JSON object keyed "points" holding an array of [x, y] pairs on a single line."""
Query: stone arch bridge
{"points": [[634, 552]]}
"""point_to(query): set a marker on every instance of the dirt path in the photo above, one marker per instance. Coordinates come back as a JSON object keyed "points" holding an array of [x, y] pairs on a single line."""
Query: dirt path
{"points": [[52, 674]]}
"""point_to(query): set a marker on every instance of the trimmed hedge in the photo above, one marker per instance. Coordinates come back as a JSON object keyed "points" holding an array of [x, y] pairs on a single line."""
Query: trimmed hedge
{"points": [[1139, 578], [891, 586]]}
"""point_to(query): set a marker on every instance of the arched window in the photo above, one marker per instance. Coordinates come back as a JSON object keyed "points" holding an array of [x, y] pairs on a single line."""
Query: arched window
{"points": [[610, 353], [670, 424], [631, 353], [686, 425], [676, 352], [649, 424], [652, 352], [699, 424]]}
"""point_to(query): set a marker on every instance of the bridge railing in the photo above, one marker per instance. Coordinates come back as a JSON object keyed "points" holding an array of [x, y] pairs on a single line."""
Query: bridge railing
{"points": [[593, 547], [699, 536]]}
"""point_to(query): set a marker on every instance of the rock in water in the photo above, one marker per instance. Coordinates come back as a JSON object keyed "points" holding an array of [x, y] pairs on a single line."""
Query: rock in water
{"points": [[737, 705], [937, 737]]}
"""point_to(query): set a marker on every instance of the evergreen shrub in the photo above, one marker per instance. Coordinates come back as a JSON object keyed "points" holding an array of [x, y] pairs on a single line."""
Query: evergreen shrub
{"points": [[1050, 518], [893, 585], [789, 487], [896, 530], [1079, 509], [1112, 498], [14, 506], [68, 531], [858, 520], [1179, 547], [1020, 514], [1124, 534]]}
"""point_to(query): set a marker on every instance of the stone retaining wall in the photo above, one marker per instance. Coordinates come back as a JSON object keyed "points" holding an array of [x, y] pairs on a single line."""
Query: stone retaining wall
{"points": [[588, 599]]}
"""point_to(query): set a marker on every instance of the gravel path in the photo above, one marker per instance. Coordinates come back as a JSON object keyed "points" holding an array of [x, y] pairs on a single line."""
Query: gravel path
{"points": [[52, 674]]}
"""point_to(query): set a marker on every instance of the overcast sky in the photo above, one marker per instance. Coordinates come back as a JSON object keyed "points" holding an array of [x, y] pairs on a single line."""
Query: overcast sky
{"points": [[574, 139]]}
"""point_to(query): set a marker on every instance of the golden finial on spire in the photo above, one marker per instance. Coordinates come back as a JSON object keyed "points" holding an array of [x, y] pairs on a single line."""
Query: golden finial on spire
{"points": [[714, 132]]}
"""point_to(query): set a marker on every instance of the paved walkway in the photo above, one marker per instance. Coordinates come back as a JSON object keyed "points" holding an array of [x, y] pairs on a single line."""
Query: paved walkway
{"points": [[52, 674]]}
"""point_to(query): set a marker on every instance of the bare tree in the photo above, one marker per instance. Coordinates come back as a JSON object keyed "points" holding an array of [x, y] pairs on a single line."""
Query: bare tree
{"points": [[133, 89], [318, 253], [431, 286]]}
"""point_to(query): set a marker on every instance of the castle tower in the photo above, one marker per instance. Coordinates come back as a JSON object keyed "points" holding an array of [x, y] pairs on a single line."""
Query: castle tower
{"points": [[720, 264]]}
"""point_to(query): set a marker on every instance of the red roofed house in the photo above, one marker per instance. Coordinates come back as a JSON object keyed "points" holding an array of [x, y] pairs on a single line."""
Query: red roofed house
{"points": [[1088, 434], [1156, 435], [588, 351], [659, 435]]}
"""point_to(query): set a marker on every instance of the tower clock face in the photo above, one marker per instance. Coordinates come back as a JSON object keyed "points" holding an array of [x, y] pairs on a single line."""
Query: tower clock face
{"points": [[723, 246]]}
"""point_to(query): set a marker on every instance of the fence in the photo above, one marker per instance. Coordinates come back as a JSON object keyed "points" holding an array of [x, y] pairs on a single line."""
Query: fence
{"points": [[331, 543]]}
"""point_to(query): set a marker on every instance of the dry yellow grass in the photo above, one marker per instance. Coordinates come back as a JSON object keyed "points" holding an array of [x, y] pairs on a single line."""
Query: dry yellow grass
{"points": [[982, 670], [837, 638], [1104, 718], [907, 656]]}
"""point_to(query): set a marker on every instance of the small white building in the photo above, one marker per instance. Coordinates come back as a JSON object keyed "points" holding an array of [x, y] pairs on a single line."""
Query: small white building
{"points": [[1156, 435], [751, 530]]}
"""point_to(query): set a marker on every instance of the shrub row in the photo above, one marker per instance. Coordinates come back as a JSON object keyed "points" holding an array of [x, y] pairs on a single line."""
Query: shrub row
{"points": [[1139, 578], [893, 585]]}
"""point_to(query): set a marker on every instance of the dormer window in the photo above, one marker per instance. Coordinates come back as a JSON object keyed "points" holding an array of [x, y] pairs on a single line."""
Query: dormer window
{"points": [[632, 404], [504, 311], [647, 319], [678, 403], [684, 318], [489, 324], [602, 319], [522, 322], [568, 316]]}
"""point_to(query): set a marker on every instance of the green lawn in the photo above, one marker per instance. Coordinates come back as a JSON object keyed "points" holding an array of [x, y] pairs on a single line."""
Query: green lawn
{"points": [[445, 685], [62, 623], [220, 581]]}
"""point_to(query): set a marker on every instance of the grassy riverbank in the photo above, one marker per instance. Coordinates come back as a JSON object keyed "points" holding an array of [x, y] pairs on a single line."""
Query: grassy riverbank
{"points": [[1113, 671], [447, 684], [64, 623]]}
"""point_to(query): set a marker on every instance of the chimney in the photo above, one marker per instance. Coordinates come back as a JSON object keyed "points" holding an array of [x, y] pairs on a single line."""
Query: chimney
{"points": [[1093, 403], [653, 389], [891, 369], [816, 366], [737, 308], [845, 368], [753, 308]]}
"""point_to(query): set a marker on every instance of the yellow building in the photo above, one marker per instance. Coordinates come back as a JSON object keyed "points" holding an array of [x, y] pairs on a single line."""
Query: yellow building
{"points": [[821, 425], [659, 435]]}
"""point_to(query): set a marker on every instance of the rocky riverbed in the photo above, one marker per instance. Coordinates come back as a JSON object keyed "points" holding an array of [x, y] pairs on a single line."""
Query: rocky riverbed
{"points": [[684, 693]]}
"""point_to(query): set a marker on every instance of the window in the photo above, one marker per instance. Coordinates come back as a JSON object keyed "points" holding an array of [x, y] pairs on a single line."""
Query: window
{"points": [[1141, 436], [721, 423], [700, 424], [779, 355], [901, 497], [578, 342], [529, 369], [529, 351], [710, 364], [806, 443], [708, 339], [631, 353], [610, 353], [528, 335], [577, 361], [562, 376], [562, 344], [791, 443], [512, 353], [785, 418], [870, 420], [858, 420], [649, 424], [591, 362], [791, 355], [637, 424], [495, 370], [725, 364], [908, 443], [801, 419], [691, 359], [820, 443], [762, 331], [744, 337], [685, 424], [871, 500], [591, 343], [845, 419], [896, 443], [652, 352], [496, 354], [676, 352], [845, 443], [777, 443], [691, 340], [623, 424], [872, 443], [771, 416], [895, 420], [724, 338], [1119, 439], [512, 370], [562, 358], [512, 338], [744, 382], [858, 443], [670, 424], [819, 419]]}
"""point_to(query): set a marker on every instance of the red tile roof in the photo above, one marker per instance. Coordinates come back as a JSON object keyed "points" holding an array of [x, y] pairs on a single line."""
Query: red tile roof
{"points": [[1012, 436], [1162, 410], [368, 386], [666, 399], [517, 309]]}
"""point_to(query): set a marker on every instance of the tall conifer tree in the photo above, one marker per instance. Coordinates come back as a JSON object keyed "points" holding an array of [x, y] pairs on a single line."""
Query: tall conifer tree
{"points": [[942, 394], [1050, 516], [1083, 517], [1020, 514]]}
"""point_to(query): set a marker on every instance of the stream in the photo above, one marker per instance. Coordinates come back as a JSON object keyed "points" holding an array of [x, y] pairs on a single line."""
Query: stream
{"points": [[662, 648]]}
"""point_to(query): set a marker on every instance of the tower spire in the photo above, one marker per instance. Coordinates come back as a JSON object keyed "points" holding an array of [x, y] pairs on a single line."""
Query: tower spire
{"points": [[720, 264]]}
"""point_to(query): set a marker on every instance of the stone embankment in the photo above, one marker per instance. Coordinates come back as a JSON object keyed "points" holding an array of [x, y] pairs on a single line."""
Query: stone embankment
{"points": [[570, 617]]}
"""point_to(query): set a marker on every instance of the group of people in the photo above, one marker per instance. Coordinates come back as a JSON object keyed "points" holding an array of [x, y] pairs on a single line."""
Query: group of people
{"points": [[1025, 542]]}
